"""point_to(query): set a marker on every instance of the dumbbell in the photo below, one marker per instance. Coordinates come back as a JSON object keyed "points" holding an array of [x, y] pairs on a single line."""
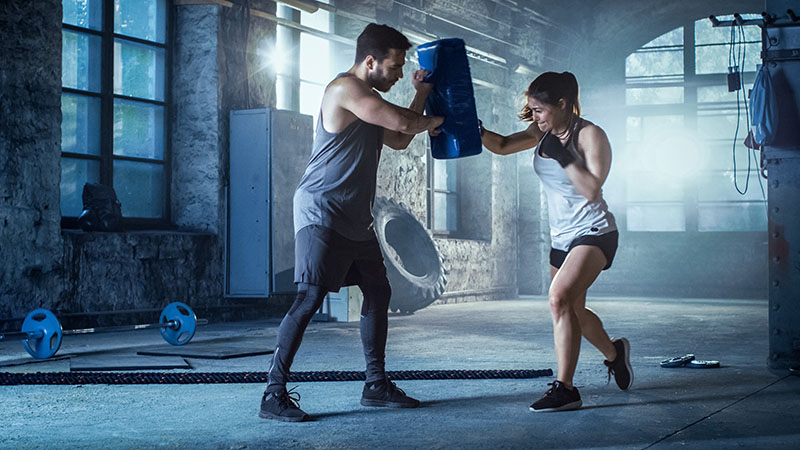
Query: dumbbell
{"points": [[41, 332]]}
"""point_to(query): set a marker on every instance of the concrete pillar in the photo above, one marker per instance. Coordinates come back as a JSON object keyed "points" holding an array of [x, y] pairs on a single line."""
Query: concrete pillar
{"points": [[31, 247], [196, 161]]}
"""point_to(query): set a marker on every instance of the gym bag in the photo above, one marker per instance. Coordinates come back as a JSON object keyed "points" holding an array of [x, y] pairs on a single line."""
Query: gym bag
{"points": [[101, 209], [763, 108]]}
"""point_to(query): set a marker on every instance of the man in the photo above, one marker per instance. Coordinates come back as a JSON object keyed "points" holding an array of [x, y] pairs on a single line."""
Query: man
{"points": [[335, 243]]}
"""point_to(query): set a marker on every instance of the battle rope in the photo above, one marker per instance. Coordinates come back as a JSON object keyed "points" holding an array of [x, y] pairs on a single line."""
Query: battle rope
{"points": [[13, 379]]}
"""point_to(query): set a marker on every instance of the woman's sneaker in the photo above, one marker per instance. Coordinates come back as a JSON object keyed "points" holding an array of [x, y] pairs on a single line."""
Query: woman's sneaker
{"points": [[558, 398], [621, 366], [386, 393], [282, 406]]}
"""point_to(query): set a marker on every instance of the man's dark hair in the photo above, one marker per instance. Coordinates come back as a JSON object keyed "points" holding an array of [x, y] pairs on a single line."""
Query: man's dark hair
{"points": [[376, 40]]}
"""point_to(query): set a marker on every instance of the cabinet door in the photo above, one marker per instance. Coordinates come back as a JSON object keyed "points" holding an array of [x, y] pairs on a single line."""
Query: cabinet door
{"points": [[247, 250]]}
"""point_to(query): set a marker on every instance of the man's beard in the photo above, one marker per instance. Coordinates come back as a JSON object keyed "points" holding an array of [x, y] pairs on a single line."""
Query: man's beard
{"points": [[381, 84]]}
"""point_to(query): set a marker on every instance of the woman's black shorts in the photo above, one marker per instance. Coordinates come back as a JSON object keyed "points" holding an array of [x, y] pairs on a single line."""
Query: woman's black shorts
{"points": [[607, 243]]}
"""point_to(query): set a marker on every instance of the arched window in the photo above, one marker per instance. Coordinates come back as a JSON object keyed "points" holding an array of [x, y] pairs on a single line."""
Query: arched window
{"points": [[681, 125]]}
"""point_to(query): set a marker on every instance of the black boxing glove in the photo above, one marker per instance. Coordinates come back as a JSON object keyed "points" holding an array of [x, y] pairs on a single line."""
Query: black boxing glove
{"points": [[551, 147]]}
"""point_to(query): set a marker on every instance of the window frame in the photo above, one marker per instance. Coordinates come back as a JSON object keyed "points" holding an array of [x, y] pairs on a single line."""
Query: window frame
{"points": [[290, 97], [432, 190], [690, 110], [107, 97]]}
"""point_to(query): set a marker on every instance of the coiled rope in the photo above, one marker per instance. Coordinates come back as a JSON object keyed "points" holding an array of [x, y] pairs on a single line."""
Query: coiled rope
{"points": [[74, 378]]}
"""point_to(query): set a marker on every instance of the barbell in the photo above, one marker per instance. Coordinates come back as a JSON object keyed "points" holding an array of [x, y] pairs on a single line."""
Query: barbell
{"points": [[41, 331]]}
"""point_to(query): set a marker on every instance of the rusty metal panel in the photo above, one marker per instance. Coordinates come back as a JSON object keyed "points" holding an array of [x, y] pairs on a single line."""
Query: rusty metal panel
{"points": [[784, 261], [783, 166]]}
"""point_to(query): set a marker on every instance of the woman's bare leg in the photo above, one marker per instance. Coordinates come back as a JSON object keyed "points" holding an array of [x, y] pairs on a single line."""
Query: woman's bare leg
{"points": [[567, 296], [592, 329], [591, 326]]}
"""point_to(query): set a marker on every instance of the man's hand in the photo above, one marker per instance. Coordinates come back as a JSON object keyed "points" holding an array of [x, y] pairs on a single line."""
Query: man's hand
{"points": [[436, 122], [418, 81]]}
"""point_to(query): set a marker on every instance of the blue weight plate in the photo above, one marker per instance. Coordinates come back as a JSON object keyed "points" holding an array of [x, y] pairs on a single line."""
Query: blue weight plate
{"points": [[182, 314], [695, 364], [46, 322], [678, 361]]}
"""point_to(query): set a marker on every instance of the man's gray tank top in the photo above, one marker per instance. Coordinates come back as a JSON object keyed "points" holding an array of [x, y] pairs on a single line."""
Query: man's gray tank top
{"points": [[571, 214], [337, 190]]}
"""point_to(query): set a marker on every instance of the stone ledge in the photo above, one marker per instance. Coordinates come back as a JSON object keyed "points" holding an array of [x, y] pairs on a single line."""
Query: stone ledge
{"points": [[76, 232]]}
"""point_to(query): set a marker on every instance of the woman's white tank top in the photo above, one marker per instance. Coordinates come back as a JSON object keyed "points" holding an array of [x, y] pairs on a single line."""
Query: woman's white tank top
{"points": [[571, 214]]}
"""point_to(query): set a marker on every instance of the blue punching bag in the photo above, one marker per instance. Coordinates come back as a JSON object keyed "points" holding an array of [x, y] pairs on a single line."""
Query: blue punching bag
{"points": [[452, 97]]}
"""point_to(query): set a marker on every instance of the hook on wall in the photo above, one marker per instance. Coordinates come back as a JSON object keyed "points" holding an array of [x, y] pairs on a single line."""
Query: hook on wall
{"points": [[766, 20]]}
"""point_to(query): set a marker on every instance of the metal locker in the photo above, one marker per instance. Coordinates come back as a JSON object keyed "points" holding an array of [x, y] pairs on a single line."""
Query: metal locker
{"points": [[269, 150]]}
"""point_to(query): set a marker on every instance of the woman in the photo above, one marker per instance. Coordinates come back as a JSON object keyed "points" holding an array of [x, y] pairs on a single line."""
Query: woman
{"points": [[572, 159]]}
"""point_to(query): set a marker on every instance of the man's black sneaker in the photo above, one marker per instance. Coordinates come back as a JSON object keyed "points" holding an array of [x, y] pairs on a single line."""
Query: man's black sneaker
{"points": [[282, 406], [621, 366], [558, 398], [386, 393]]}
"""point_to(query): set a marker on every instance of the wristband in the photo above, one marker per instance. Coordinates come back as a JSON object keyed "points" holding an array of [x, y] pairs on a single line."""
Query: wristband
{"points": [[552, 147]]}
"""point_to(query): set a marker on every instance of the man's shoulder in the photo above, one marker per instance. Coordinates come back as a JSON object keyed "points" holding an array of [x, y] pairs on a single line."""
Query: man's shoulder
{"points": [[343, 80], [349, 84]]}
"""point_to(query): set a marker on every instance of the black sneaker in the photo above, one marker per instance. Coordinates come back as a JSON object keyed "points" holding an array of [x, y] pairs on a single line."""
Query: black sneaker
{"points": [[282, 406], [621, 366], [386, 393], [558, 398]]}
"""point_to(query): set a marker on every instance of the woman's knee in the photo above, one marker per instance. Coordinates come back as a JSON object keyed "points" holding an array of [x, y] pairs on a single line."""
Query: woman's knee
{"points": [[561, 302]]}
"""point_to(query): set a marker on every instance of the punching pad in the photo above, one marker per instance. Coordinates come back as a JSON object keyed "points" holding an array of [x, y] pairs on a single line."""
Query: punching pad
{"points": [[452, 97]]}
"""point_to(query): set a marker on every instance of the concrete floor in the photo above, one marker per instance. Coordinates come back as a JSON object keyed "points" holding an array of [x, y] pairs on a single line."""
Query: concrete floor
{"points": [[741, 405]]}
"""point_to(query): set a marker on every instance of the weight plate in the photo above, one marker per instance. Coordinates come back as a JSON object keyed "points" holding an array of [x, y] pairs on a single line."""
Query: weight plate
{"points": [[44, 321], [184, 317], [695, 364], [678, 361]]}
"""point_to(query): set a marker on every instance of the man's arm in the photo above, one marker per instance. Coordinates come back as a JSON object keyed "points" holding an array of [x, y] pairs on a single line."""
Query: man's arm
{"points": [[355, 97], [399, 140]]}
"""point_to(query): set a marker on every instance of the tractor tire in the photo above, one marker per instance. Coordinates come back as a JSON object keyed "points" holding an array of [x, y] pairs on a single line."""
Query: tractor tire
{"points": [[414, 265]]}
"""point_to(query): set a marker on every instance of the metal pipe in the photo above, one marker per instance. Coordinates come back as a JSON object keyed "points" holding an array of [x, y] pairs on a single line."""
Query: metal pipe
{"points": [[22, 335], [738, 21], [39, 334], [169, 324]]}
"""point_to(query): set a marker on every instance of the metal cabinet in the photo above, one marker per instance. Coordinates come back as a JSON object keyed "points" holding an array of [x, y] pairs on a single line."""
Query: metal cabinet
{"points": [[269, 150], [341, 306]]}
